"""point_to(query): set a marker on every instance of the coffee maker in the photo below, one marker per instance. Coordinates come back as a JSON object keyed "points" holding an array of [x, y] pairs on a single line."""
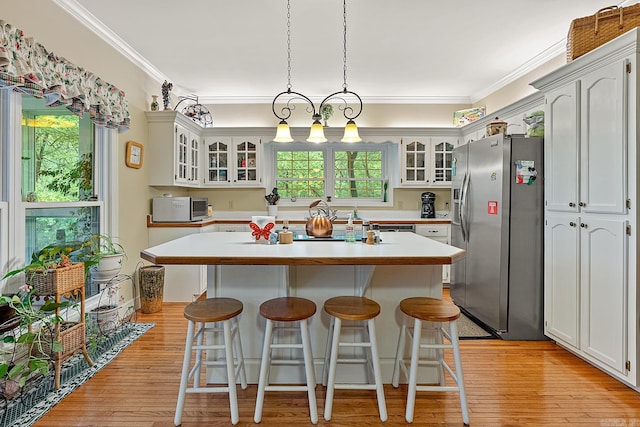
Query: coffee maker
{"points": [[428, 205]]}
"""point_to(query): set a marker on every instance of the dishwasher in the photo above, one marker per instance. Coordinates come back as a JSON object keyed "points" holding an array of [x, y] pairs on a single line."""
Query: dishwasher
{"points": [[409, 228]]}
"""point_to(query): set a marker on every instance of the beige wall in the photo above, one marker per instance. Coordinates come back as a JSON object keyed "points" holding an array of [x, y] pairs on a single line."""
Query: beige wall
{"points": [[373, 115]]}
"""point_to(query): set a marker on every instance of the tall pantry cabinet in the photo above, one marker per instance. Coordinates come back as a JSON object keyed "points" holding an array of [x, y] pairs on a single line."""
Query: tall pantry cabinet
{"points": [[591, 136]]}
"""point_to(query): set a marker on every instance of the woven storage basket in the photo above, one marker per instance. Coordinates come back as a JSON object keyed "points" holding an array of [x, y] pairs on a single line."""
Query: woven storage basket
{"points": [[57, 281], [586, 34], [72, 339]]}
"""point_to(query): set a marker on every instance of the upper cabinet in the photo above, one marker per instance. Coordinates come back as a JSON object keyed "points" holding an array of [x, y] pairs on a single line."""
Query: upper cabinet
{"points": [[173, 156], [426, 161], [184, 154], [233, 161], [585, 143]]}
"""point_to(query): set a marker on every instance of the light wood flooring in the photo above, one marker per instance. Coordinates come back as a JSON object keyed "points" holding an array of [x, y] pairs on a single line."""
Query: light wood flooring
{"points": [[509, 383]]}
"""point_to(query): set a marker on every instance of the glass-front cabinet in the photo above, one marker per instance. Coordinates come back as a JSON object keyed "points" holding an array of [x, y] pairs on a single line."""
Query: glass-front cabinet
{"points": [[442, 154], [187, 156], [427, 161], [232, 161]]}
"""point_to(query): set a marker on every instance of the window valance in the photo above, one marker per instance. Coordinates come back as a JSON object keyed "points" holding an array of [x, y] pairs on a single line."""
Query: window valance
{"points": [[27, 66]]}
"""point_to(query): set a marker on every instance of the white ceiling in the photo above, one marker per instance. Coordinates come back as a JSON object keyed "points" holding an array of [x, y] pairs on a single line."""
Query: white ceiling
{"points": [[420, 51]]}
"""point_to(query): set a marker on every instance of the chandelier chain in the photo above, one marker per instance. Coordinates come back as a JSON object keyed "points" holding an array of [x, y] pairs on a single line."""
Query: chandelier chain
{"points": [[288, 44], [344, 44]]}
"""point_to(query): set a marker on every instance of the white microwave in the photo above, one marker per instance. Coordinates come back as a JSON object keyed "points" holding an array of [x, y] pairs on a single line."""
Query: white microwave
{"points": [[179, 209]]}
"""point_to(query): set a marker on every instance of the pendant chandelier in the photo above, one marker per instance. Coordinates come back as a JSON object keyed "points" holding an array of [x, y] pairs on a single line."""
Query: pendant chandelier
{"points": [[316, 134]]}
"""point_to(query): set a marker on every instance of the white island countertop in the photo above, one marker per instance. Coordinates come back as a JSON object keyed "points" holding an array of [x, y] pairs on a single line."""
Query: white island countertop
{"points": [[223, 248]]}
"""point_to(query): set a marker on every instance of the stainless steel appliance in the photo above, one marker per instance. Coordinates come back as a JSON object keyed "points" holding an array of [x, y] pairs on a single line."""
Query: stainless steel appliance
{"points": [[497, 202], [428, 205], [179, 209]]}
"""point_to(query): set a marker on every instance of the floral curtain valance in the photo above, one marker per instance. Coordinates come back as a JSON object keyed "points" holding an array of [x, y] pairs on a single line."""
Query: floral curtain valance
{"points": [[28, 67]]}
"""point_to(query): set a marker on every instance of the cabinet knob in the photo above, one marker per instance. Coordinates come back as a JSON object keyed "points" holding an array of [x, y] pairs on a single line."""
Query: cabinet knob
{"points": [[572, 205], [582, 204], [572, 224], [583, 225]]}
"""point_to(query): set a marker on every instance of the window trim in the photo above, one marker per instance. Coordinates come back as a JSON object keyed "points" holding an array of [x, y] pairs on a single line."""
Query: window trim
{"points": [[329, 148]]}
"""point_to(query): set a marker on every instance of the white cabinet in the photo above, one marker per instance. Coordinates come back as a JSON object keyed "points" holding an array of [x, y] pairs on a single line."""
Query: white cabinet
{"points": [[587, 157], [585, 293], [232, 161], [426, 161], [173, 155], [591, 290], [440, 233], [182, 153], [187, 156]]}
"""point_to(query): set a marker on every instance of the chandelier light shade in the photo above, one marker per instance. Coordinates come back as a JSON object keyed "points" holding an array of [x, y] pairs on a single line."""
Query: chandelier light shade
{"points": [[283, 134], [317, 131], [350, 102]]}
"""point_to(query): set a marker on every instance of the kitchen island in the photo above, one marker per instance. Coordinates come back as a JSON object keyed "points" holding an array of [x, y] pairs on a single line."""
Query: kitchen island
{"points": [[403, 265]]}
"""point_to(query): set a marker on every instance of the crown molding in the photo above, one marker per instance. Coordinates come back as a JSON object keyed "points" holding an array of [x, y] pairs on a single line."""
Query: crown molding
{"points": [[365, 99], [85, 17]]}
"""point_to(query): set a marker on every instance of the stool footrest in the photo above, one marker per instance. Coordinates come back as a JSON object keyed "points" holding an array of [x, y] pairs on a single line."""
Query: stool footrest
{"points": [[286, 388], [355, 344], [286, 346], [355, 386]]}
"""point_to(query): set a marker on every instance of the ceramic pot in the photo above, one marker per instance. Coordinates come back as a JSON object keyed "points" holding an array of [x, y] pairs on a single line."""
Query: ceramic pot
{"points": [[496, 126]]}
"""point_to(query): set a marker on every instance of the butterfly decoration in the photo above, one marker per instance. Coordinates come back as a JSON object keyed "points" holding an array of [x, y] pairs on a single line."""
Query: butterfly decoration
{"points": [[258, 232]]}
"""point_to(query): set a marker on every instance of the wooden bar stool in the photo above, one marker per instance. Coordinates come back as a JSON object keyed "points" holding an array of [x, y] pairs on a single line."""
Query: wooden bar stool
{"points": [[352, 308], [441, 313], [199, 313], [287, 310]]}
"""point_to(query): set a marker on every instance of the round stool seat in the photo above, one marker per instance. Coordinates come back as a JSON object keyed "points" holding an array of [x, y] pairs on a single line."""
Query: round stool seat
{"points": [[352, 308], [287, 309], [430, 309], [213, 310]]}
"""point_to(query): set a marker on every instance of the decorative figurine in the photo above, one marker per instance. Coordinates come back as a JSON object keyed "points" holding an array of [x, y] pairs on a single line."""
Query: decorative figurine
{"points": [[166, 87], [154, 104]]}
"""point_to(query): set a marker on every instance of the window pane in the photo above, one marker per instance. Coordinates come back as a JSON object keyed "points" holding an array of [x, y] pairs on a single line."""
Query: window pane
{"points": [[61, 226], [358, 174], [300, 173], [57, 154]]}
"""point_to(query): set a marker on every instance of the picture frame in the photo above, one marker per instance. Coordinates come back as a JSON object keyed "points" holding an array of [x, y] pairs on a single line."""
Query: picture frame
{"points": [[134, 155]]}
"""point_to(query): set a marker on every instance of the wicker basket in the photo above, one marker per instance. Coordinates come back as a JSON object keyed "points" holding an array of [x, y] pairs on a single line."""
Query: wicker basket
{"points": [[586, 34], [57, 281], [72, 339]]}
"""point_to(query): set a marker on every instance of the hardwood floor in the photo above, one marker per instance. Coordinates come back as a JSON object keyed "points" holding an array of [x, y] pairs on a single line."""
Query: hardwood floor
{"points": [[508, 384]]}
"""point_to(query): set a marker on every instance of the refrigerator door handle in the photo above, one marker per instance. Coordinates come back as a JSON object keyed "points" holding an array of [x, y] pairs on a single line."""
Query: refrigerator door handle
{"points": [[463, 206]]}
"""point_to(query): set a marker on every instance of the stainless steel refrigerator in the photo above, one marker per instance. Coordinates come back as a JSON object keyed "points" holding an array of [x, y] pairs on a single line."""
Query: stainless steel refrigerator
{"points": [[497, 202]]}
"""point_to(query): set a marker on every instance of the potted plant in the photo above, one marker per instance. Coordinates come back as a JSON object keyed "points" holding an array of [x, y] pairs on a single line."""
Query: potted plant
{"points": [[31, 338], [102, 257], [104, 318], [51, 270]]}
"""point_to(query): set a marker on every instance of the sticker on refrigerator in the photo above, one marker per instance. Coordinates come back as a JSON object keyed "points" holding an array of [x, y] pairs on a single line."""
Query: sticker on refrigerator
{"points": [[453, 166], [492, 207], [526, 172]]}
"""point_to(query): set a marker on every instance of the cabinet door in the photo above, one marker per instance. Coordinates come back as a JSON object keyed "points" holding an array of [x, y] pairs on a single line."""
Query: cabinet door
{"points": [[247, 160], [561, 267], [561, 148], [415, 162], [603, 140], [217, 152], [193, 161], [181, 155], [442, 156], [604, 303]]}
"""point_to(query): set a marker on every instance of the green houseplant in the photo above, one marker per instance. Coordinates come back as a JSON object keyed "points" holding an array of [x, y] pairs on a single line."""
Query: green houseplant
{"points": [[31, 334], [102, 257]]}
